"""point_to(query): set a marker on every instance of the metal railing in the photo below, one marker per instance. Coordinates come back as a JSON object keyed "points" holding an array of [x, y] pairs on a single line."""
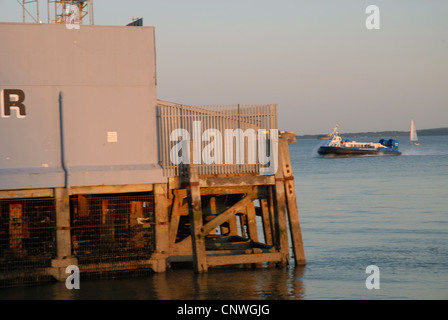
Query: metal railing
{"points": [[209, 129]]}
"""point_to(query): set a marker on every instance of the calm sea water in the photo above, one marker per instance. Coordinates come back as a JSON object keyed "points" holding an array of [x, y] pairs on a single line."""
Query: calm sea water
{"points": [[391, 212]]}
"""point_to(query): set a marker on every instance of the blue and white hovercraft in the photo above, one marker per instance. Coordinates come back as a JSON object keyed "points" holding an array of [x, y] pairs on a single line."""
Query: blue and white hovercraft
{"points": [[337, 147]]}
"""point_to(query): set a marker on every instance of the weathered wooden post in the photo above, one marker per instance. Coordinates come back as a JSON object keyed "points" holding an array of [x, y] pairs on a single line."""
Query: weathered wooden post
{"points": [[291, 201], [251, 222], [252, 226], [266, 219], [280, 215], [175, 217], [195, 217], [63, 237], [162, 231], [15, 228]]}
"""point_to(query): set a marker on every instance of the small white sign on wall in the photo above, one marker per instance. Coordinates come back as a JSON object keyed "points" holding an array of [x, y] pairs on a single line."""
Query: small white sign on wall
{"points": [[112, 136]]}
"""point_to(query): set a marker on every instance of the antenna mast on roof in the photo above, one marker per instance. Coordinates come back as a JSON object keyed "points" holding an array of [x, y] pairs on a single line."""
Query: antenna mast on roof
{"points": [[33, 13], [61, 14]]}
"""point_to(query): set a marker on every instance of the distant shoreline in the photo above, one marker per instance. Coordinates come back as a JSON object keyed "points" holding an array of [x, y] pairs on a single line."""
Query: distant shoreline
{"points": [[388, 134]]}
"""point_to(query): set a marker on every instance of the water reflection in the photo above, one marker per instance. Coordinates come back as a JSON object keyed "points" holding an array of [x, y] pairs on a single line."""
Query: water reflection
{"points": [[227, 283], [179, 284]]}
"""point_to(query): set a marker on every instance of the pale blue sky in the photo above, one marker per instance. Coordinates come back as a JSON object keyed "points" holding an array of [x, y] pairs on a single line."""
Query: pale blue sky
{"points": [[315, 59]]}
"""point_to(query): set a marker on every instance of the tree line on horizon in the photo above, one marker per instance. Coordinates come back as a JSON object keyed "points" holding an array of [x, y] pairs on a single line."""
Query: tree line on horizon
{"points": [[423, 132]]}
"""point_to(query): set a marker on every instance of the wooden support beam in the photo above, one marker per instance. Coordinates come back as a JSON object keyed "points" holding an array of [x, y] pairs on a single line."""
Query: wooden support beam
{"points": [[272, 213], [271, 202], [236, 181], [111, 189], [243, 223], [26, 193], [258, 191], [15, 226], [233, 226], [107, 222], [224, 181], [137, 236], [266, 219], [213, 212], [195, 216], [226, 215], [225, 229], [175, 216], [161, 218], [251, 221], [280, 216], [293, 211], [63, 236], [244, 258], [83, 205], [230, 228], [63, 239], [252, 225]]}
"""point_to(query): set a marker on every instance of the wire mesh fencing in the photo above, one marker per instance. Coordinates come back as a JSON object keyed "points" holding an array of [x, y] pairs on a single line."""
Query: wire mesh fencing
{"points": [[109, 230], [27, 240]]}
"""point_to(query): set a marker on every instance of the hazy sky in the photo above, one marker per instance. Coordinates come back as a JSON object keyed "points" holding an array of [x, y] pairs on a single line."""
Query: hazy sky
{"points": [[315, 59]]}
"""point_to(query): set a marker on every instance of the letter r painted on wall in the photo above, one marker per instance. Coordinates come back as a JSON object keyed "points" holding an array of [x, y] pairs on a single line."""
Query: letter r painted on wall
{"points": [[12, 99]]}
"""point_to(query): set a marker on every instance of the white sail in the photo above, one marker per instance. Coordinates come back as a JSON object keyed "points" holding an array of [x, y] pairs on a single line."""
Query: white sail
{"points": [[413, 135]]}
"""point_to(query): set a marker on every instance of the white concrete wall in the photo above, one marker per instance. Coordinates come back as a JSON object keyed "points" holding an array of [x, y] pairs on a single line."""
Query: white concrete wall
{"points": [[107, 76]]}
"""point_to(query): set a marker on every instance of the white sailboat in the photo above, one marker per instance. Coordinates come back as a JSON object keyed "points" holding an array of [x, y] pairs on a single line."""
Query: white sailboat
{"points": [[413, 134]]}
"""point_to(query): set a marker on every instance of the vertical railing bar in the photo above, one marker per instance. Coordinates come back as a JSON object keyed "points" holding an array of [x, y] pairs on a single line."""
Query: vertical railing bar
{"points": [[162, 134], [167, 143], [175, 126], [221, 150]]}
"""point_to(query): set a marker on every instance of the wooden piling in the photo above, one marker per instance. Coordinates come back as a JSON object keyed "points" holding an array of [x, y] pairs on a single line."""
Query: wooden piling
{"points": [[161, 218], [252, 226], [196, 223], [291, 201], [107, 233], [136, 212], [175, 217], [266, 220], [251, 222], [280, 216], [213, 213], [64, 256], [15, 227], [63, 238]]}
